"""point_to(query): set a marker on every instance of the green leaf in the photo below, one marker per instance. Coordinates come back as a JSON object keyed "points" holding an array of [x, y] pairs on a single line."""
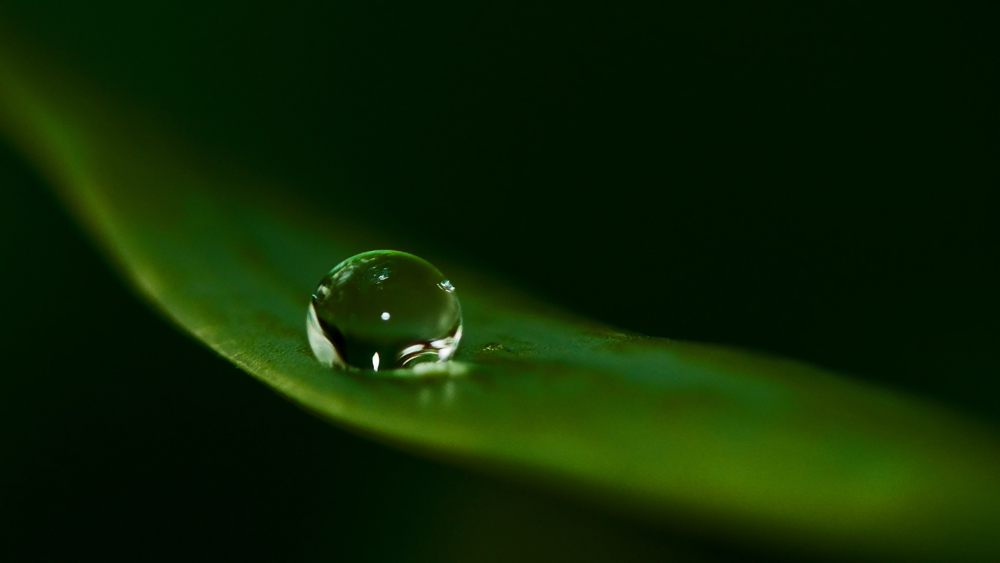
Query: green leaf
{"points": [[723, 441]]}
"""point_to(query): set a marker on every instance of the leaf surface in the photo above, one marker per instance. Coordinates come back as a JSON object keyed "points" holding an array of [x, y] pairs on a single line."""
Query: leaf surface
{"points": [[721, 440]]}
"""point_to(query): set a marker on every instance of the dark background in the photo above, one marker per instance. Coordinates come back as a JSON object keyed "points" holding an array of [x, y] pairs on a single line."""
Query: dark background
{"points": [[811, 181]]}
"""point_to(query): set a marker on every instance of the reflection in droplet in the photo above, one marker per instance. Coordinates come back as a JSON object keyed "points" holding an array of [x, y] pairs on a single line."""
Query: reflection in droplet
{"points": [[441, 394], [346, 321], [424, 397], [448, 393]]}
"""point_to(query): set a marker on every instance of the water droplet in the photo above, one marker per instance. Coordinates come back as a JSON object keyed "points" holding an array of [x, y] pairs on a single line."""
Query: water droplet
{"points": [[347, 319]]}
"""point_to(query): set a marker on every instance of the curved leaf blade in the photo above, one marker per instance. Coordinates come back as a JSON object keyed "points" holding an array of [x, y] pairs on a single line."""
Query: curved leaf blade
{"points": [[748, 445]]}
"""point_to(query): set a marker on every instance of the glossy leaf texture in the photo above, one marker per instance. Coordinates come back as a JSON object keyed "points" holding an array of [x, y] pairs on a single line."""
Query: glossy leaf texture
{"points": [[722, 441]]}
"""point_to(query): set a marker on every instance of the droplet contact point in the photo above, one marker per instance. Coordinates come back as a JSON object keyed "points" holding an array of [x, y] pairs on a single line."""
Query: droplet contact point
{"points": [[383, 310]]}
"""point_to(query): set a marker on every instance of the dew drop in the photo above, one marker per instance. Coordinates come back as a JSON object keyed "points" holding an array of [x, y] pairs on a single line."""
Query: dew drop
{"points": [[348, 321]]}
